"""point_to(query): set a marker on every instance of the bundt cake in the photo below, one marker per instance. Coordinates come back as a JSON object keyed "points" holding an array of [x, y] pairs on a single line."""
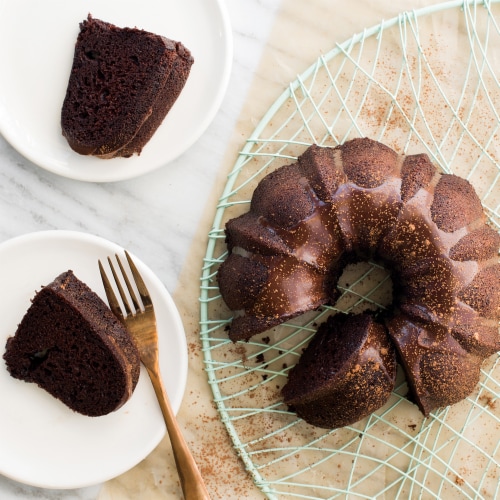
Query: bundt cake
{"points": [[72, 345], [362, 200], [347, 371], [122, 84]]}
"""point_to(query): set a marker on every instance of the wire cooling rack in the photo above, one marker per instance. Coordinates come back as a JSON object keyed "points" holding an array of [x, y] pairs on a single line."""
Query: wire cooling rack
{"points": [[426, 81]]}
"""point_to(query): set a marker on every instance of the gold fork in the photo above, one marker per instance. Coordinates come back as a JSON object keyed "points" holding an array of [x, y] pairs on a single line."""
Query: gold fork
{"points": [[141, 323]]}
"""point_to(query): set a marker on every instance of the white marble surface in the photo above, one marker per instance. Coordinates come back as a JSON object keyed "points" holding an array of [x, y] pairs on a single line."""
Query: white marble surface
{"points": [[148, 215], [156, 216]]}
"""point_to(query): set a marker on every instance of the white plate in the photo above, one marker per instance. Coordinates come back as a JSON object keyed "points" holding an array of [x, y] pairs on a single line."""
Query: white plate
{"points": [[36, 49], [44, 443]]}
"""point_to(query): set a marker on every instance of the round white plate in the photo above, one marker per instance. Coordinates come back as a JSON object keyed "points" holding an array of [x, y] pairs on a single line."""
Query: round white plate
{"points": [[44, 443], [36, 49]]}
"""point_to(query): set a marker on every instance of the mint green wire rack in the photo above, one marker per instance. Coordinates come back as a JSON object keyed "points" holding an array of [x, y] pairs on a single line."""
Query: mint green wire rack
{"points": [[425, 81]]}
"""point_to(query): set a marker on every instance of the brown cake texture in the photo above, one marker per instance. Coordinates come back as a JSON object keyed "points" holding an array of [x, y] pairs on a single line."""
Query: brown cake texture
{"points": [[122, 84], [361, 200], [347, 371], [71, 344]]}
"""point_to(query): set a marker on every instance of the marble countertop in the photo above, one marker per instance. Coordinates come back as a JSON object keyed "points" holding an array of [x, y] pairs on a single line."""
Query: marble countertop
{"points": [[32, 199]]}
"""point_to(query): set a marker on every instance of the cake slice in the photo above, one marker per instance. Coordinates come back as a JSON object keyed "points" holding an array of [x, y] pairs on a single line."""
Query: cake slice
{"points": [[122, 84], [72, 345], [347, 371]]}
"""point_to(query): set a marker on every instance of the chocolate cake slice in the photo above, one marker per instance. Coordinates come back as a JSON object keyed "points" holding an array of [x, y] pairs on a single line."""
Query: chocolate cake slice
{"points": [[72, 345], [122, 84], [347, 371]]}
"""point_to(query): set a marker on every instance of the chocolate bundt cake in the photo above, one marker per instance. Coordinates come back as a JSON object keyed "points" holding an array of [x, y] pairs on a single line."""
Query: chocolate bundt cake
{"points": [[347, 371], [362, 200], [122, 84], [72, 345]]}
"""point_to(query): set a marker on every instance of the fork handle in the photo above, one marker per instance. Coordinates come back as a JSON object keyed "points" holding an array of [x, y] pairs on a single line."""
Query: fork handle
{"points": [[192, 483]]}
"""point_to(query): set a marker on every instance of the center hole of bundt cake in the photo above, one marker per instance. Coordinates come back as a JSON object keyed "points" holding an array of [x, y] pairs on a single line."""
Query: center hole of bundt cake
{"points": [[365, 286]]}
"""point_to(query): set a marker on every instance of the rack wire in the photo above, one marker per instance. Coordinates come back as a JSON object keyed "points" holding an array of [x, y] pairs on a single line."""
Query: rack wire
{"points": [[425, 81]]}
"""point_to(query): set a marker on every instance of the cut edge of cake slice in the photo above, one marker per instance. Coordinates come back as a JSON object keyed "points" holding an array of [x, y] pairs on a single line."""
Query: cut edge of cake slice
{"points": [[118, 88], [71, 344]]}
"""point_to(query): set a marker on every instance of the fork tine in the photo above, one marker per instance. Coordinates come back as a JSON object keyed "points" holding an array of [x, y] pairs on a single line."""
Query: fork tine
{"points": [[129, 285], [128, 310], [112, 300], [141, 286]]}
